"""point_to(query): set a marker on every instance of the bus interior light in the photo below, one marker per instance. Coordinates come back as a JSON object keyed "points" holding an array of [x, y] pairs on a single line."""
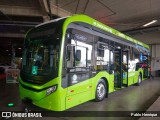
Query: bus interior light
{"points": [[51, 90], [119, 47]]}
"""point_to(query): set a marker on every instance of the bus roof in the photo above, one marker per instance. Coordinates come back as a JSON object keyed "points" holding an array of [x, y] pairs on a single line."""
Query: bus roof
{"points": [[93, 22], [54, 20]]}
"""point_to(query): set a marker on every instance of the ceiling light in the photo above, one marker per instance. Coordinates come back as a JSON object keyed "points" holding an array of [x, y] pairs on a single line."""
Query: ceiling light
{"points": [[153, 21]]}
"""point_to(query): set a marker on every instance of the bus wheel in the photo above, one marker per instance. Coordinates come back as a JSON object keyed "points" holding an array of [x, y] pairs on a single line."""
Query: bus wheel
{"points": [[139, 80], [100, 90]]}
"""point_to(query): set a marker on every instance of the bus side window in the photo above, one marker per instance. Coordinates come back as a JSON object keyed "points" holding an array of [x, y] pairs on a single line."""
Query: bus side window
{"points": [[103, 54]]}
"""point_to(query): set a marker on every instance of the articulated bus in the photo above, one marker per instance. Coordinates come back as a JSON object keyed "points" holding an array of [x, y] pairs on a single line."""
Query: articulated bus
{"points": [[71, 60]]}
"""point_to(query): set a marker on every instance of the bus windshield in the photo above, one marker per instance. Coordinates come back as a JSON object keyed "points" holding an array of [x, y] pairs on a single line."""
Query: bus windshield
{"points": [[41, 54]]}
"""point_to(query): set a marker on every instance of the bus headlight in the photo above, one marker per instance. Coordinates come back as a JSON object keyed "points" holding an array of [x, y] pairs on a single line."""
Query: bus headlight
{"points": [[51, 90]]}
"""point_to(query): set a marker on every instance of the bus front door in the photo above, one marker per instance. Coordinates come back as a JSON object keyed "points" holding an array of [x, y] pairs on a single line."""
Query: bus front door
{"points": [[78, 76]]}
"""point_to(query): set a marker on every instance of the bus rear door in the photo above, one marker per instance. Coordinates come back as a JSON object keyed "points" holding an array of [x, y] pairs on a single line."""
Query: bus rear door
{"points": [[121, 68]]}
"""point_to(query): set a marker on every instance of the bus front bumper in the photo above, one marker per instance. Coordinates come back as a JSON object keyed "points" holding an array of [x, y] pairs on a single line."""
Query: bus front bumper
{"points": [[41, 99]]}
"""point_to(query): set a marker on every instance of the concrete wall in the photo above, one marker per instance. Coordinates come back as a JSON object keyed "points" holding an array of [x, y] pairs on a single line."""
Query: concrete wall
{"points": [[155, 61]]}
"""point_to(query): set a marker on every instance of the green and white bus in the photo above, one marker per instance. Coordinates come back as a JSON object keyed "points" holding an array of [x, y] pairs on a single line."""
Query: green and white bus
{"points": [[71, 60]]}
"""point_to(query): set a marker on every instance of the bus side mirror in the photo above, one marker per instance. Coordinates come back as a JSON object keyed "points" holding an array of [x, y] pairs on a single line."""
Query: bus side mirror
{"points": [[78, 55]]}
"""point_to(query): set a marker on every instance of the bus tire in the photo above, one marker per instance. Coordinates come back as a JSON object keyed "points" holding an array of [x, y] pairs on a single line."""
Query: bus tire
{"points": [[139, 80], [100, 93]]}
